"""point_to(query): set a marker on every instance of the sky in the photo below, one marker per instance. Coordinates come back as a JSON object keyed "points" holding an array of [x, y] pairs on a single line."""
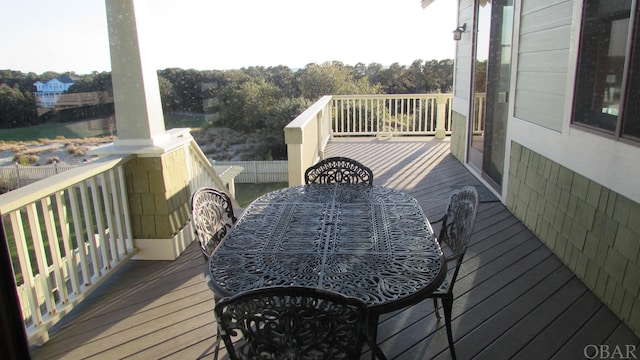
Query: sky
{"points": [[71, 35]]}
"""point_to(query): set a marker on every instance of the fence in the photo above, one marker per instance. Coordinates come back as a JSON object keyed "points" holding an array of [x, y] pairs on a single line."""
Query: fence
{"points": [[15, 176], [259, 171]]}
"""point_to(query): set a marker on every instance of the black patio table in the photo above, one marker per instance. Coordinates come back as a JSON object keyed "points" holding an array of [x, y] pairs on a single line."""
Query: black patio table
{"points": [[370, 242]]}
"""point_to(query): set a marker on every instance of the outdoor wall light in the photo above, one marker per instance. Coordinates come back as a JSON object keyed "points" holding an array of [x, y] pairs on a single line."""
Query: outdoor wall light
{"points": [[457, 33]]}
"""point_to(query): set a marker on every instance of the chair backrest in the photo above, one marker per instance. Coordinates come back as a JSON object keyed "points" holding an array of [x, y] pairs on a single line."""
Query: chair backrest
{"points": [[291, 322], [338, 170], [458, 222], [212, 215]]}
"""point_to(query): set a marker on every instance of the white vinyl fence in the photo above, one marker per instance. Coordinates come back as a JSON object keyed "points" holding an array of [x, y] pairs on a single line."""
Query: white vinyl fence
{"points": [[258, 171], [15, 176]]}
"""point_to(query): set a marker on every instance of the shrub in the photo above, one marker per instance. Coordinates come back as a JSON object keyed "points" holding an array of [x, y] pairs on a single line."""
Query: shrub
{"points": [[80, 151], [26, 159], [52, 159]]}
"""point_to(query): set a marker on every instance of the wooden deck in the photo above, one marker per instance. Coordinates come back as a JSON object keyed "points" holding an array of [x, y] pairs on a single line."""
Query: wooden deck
{"points": [[514, 298]]}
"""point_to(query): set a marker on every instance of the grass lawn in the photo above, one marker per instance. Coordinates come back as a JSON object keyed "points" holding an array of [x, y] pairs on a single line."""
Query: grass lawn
{"points": [[49, 131], [80, 129], [246, 193]]}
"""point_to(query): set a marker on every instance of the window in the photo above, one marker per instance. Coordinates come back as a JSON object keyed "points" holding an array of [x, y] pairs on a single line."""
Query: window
{"points": [[608, 82]]}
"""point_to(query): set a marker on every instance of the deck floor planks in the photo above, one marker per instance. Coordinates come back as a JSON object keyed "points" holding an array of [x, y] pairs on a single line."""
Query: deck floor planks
{"points": [[514, 298], [143, 311], [482, 290], [621, 336], [533, 286], [509, 343], [547, 343], [594, 331]]}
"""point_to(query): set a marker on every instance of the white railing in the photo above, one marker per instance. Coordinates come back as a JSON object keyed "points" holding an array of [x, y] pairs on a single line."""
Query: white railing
{"points": [[407, 114], [69, 232], [479, 105], [202, 173]]}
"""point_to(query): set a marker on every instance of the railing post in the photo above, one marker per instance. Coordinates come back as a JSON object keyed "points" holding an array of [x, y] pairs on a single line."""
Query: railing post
{"points": [[17, 176], [231, 185], [441, 110], [255, 172], [304, 143], [293, 138]]}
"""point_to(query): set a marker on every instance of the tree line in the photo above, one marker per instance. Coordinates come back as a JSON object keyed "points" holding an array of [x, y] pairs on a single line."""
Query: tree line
{"points": [[254, 99], [237, 93]]}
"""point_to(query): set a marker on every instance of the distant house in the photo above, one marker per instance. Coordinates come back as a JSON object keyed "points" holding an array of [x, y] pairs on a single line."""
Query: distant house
{"points": [[53, 95], [47, 94]]}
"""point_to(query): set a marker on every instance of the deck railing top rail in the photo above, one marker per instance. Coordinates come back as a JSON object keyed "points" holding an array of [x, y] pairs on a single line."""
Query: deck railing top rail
{"points": [[19, 198]]}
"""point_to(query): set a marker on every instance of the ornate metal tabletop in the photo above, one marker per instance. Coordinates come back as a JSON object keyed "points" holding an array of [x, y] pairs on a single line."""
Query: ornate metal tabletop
{"points": [[370, 242]]}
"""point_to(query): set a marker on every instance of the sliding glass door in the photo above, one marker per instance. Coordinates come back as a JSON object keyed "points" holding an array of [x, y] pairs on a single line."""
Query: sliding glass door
{"points": [[488, 120]]}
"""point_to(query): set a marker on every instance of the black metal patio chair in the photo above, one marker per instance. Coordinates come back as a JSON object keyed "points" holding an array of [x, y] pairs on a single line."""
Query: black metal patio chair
{"points": [[340, 170], [212, 216], [292, 322], [458, 222]]}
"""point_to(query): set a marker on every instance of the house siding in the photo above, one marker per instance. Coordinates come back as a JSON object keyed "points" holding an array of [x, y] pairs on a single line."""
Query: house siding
{"points": [[457, 147], [463, 52], [591, 228], [545, 32], [545, 62]]}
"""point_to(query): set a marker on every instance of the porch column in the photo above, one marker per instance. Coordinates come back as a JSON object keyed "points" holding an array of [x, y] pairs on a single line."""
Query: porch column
{"points": [[136, 93], [441, 111], [157, 184]]}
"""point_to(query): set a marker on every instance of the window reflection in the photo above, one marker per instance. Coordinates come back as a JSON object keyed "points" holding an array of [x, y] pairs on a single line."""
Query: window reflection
{"points": [[603, 68], [631, 124]]}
